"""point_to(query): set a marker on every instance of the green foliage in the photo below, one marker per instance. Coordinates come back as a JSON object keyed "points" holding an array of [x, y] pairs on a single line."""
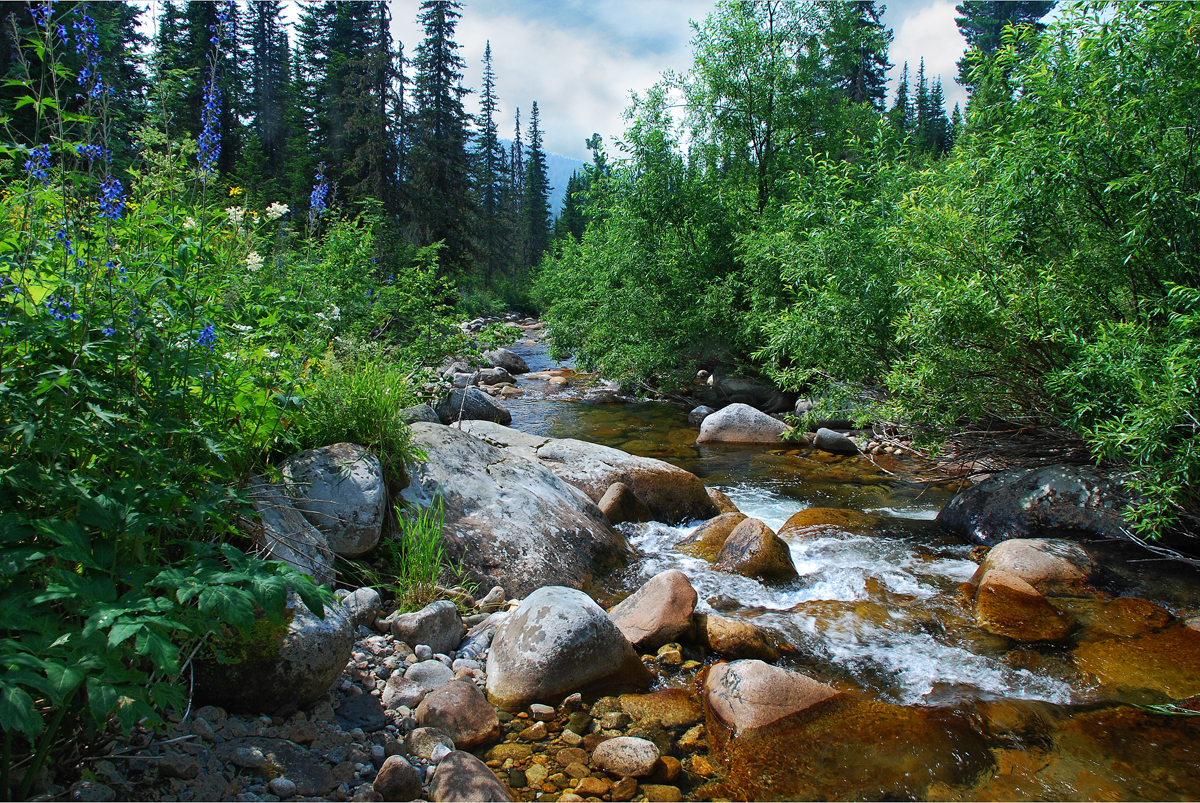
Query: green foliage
{"points": [[416, 554]]}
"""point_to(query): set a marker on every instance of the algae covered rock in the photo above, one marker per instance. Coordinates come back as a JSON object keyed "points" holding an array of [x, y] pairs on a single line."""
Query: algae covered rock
{"points": [[1006, 605], [753, 550], [707, 539]]}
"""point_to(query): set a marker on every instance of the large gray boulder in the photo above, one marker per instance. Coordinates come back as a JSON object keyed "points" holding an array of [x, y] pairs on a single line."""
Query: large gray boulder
{"points": [[558, 641], [741, 423], [280, 667], [282, 532], [510, 521], [471, 404], [508, 360], [438, 624], [341, 491], [671, 494], [1026, 503], [419, 412]]}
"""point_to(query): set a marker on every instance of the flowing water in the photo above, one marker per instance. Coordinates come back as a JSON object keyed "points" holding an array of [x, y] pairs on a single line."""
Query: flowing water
{"points": [[877, 612]]}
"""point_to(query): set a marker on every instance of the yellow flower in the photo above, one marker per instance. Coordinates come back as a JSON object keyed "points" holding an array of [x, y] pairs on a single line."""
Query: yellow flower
{"points": [[235, 191]]}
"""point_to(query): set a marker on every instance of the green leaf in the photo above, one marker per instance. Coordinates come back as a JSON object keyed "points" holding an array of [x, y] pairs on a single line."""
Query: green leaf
{"points": [[102, 698], [161, 651], [63, 680], [121, 631], [232, 605], [17, 712]]}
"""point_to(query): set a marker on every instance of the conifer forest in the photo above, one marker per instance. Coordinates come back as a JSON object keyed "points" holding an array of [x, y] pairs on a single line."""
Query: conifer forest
{"points": [[231, 232]]}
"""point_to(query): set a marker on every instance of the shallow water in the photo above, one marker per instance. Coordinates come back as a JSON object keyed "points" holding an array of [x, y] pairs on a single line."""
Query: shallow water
{"points": [[878, 613]]}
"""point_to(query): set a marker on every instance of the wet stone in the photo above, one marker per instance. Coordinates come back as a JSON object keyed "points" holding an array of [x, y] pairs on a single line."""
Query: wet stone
{"points": [[626, 755]]}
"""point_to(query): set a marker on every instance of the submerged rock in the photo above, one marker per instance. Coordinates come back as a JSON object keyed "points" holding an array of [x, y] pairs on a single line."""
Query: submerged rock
{"points": [[658, 612], [819, 520], [741, 423], [280, 667], [1052, 566], [1006, 605], [462, 778], [1165, 661], [341, 491], [627, 756], [672, 494], [508, 520], [557, 641], [707, 539], [732, 638], [747, 695], [753, 550], [1026, 503]]}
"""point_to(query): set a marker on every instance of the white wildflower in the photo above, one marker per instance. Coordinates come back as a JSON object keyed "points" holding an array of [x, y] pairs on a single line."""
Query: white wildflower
{"points": [[236, 215], [242, 327], [272, 354], [254, 261], [276, 211], [335, 314], [190, 224]]}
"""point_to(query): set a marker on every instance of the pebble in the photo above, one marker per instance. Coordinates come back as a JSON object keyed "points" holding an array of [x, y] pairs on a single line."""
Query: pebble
{"points": [[542, 713], [282, 787], [423, 652]]}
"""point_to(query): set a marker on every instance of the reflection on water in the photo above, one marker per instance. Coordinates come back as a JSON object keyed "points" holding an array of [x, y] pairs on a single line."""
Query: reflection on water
{"points": [[879, 613]]}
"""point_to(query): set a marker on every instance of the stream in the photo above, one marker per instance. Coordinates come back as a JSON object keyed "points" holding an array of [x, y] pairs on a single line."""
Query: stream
{"points": [[877, 613]]}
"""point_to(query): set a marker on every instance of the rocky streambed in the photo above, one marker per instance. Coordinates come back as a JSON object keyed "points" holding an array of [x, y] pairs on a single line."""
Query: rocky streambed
{"points": [[677, 617]]}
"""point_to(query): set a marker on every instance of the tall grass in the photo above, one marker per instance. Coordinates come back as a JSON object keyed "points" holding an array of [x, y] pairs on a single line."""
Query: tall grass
{"points": [[417, 554]]}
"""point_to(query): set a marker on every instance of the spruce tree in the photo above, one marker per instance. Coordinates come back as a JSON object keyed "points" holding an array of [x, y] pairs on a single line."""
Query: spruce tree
{"points": [[901, 115], [535, 205], [270, 87], [982, 25], [858, 42], [492, 174], [441, 172], [572, 221], [924, 112]]}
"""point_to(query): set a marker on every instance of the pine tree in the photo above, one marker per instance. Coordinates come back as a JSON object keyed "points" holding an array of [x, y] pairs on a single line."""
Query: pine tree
{"points": [[982, 24], [572, 221], [924, 112], [270, 87], [441, 172], [957, 125], [512, 200], [858, 43], [492, 174], [535, 204], [901, 114], [939, 126]]}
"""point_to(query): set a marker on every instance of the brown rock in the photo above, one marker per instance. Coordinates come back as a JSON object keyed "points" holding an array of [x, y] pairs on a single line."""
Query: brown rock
{"points": [[398, 780], [753, 550], [658, 612], [302, 732], [507, 750], [723, 502], [176, 765], [1051, 565], [703, 767], [625, 789], [732, 638], [534, 733], [570, 797], [1006, 605], [658, 793], [571, 755], [673, 708], [462, 777], [460, 709], [818, 520], [627, 755], [619, 505], [593, 787], [1166, 661], [594, 740], [707, 539], [577, 770], [747, 695], [668, 771]]}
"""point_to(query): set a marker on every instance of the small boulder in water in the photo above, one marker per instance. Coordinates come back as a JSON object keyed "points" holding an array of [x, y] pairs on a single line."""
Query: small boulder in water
{"points": [[724, 503], [1051, 565], [658, 612], [707, 539], [731, 638], [753, 550], [463, 404], [508, 360], [620, 504], [698, 414], [834, 442], [741, 423], [1006, 605]]}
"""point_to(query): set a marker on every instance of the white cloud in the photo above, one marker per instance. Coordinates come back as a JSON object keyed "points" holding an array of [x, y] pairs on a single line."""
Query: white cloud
{"points": [[930, 33]]}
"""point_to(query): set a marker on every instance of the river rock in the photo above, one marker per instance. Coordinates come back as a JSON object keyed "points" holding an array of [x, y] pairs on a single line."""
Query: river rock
{"points": [[1006, 605], [820, 520], [746, 695], [280, 667], [1166, 661], [400, 691], [732, 638], [672, 708], [508, 360], [723, 503], [510, 521], [741, 423], [419, 412], [438, 624], [1026, 503], [627, 756], [557, 641], [471, 404], [492, 376], [658, 612], [672, 494], [460, 710], [341, 491], [707, 539], [834, 442], [311, 775], [1052, 566], [753, 550], [422, 742], [361, 711], [282, 533], [398, 780], [364, 606], [429, 675], [462, 777], [698, 414], [620, 504]]}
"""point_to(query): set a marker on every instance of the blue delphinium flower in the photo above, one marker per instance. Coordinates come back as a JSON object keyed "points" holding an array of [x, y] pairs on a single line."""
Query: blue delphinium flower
{"points": [[41, 14], [320, 191], [87, 42], [38, 164], [60, 309], [93, 153], [207, 338], [111, 200], [108, 331], [210, 125]]}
